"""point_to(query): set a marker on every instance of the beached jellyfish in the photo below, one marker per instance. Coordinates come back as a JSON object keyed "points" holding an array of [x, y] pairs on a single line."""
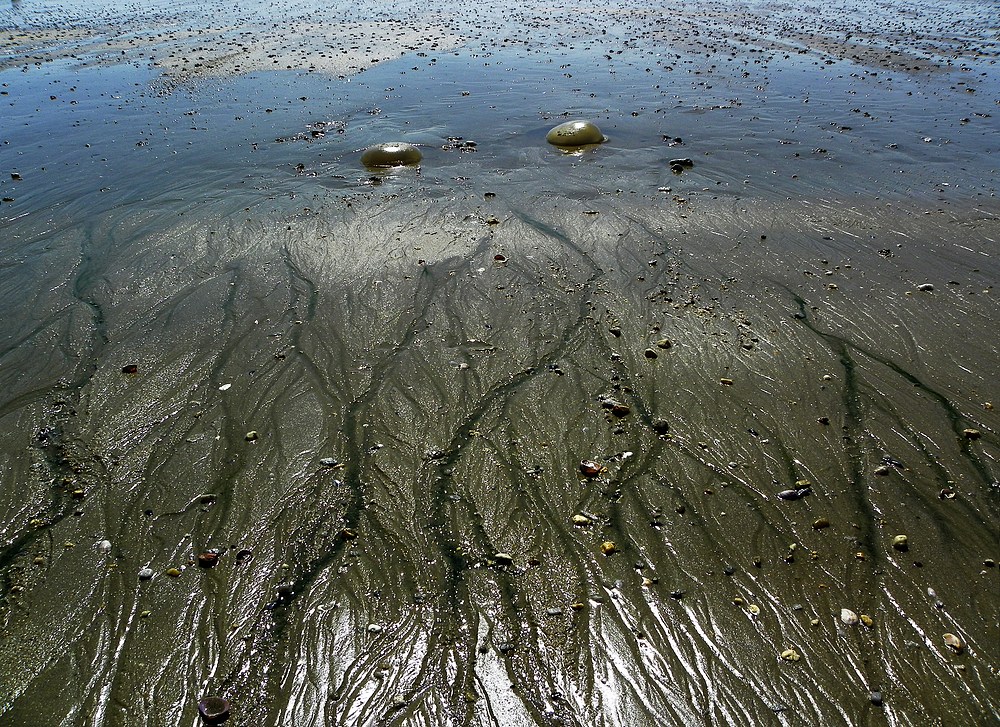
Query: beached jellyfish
{"points": [[575, 133], [391, 154]]}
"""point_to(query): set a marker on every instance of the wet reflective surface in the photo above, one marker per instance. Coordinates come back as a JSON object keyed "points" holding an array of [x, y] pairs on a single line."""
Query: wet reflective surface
{"points": [[369, 393]]}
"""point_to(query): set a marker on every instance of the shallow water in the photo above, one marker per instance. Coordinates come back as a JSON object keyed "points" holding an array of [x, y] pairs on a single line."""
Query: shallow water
{"points": [[426, 355]]}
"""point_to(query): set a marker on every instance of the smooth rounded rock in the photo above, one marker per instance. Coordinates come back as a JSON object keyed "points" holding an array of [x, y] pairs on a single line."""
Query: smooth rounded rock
{"points": [[214, 710], [391, 154], [848, 616], [575, 133]]}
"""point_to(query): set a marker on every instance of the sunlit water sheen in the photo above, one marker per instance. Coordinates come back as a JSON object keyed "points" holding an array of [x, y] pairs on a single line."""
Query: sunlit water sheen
{"points": [[424, 356]]}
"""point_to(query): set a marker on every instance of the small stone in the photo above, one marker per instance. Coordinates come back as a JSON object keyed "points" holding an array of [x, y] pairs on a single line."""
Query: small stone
{"points": [[664, 343], [925, 287], [145, 614], [374, 628], [821, 523], [208, 559], [590, 468], [661, 426], [867, 620], [173, 572], [104, 546], [790, 655], [954, 643], [608, 547], [814, 622], [754, 609], [214, 710], [251, 436], [901, 543], [503, 559], [577, 606], [875, 697], [677, 595], [848, 616], [581, 520], [649, 353], [726, 382], [795, 494], [575, 133], [882, 470], [971, 433], [39, 560], [146, 574]]}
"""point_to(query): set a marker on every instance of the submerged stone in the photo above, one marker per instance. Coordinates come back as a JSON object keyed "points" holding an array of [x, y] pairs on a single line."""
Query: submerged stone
{"points": [[954, 643], [575, 133], [391, 154]]}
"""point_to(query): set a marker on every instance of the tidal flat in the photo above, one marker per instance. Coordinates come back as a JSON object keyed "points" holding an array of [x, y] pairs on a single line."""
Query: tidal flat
{"points": [[619, 435]]}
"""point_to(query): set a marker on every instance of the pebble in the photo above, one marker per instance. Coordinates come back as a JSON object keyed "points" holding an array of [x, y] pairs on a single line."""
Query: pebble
{"points": [[104, 546], [754, 610], [649, 353], [608, 547], [374, 628], [146, 574], [790, 655], [504, 558], [954, 643], [391, 154], [214, 710], [795, 494], [848, 616], [208, 559], [867, 620], [581, 520], [251, 436], [575, 133], [925, 287], [971, 433], [661, 426], [590, 468], [174, 572], [875, 697], [821, 523], [901, 543]]}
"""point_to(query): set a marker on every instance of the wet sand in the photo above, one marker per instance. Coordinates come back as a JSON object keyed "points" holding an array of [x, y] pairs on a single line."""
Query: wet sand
{"points": [[371, 392]]}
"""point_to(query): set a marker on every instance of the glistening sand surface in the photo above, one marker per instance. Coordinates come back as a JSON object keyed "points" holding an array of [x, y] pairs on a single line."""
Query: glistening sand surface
{"points": [[422, 405]]}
